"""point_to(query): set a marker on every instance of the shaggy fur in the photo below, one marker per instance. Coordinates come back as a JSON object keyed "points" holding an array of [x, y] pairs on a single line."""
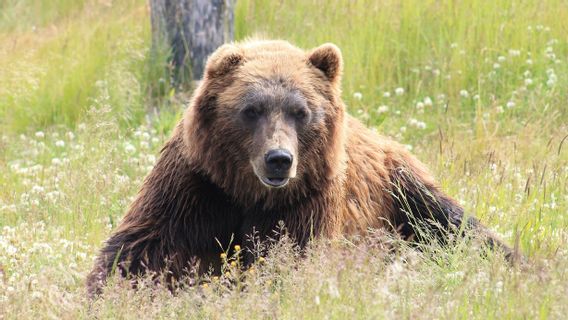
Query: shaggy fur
{"points": [[204, 190]]}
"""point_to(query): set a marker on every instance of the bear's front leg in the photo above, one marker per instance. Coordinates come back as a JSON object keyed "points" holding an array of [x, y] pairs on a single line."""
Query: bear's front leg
{"points": [[422, 211]]}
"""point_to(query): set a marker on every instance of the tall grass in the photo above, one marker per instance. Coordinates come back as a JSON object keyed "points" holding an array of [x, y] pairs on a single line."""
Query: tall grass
{"points": [[53, 75], [426, 47], [477, 89]]}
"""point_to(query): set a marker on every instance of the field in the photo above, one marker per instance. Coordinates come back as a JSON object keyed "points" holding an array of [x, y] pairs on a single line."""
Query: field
{"points": [[478, 90]]}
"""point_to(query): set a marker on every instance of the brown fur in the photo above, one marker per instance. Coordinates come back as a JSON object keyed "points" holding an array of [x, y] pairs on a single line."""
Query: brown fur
{"points": [[203, 189]]}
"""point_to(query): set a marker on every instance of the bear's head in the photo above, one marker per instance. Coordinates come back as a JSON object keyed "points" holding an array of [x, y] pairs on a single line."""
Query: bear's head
{"points": [[267, 120]]}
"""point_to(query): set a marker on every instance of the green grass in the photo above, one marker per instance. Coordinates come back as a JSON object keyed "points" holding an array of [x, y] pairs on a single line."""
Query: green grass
{"points": [[78, 79], [100, 55]]}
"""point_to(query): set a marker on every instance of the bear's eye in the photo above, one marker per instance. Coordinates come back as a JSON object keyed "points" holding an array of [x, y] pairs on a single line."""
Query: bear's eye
{"points": [[252, 113], [300, 114]]}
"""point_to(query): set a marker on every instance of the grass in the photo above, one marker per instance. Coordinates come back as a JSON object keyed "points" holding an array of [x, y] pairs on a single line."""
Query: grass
{"points": [[476, 88]]}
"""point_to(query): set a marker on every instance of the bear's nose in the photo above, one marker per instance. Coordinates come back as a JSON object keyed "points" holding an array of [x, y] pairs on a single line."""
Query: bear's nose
{"points": [[278, 161]]}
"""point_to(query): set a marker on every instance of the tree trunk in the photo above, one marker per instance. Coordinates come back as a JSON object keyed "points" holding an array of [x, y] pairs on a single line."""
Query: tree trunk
{"points": [[192, 30]]}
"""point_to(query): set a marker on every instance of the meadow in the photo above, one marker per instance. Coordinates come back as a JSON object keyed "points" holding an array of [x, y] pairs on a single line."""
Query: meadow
{"points": [[478, 90]]}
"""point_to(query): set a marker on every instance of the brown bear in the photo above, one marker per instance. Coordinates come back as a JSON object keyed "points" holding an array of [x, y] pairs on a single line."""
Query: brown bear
{"points": [[266, 138]]}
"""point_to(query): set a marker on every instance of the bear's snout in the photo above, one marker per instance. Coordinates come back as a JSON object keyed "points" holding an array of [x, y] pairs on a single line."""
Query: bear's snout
{"points": [[278, 162]]}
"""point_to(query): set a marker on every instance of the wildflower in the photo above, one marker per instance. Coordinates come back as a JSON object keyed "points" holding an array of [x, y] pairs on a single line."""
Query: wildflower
{"points": [[399, 91], [528, 82], [510, 104], [37, 295], [496, 66], [464, 93], [501, 59], [223, 256], [550, 83], [428, 102], [70, 135], [499, 109], [403, 129], [40, 135], [261, 260], [514, 53], [38, 189], [529, 61], [52, 196], [420, 107], [60, 143], [237, 248], [129, 148], [358, 95], [382, 109], [233, 264], [386, 94]]}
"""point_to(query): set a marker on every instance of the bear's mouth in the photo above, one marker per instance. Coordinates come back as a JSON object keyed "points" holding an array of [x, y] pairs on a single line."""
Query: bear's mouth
{"points": [[275, 182]]}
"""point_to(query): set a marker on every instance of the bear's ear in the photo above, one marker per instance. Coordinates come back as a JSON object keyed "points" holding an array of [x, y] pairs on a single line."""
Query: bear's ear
{"points": [[327, 58], [225, 59]]}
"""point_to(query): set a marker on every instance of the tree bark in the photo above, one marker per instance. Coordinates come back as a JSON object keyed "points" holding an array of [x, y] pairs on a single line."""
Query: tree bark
{"points": [[192, 30]]}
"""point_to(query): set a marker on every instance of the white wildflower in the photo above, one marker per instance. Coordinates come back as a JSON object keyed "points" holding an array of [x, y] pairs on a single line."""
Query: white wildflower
{"points": [[129, 148], [550, 83], [38, 189], [40, 135], [382, 109], [357, 95], [60, 143], [399, 91]]}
